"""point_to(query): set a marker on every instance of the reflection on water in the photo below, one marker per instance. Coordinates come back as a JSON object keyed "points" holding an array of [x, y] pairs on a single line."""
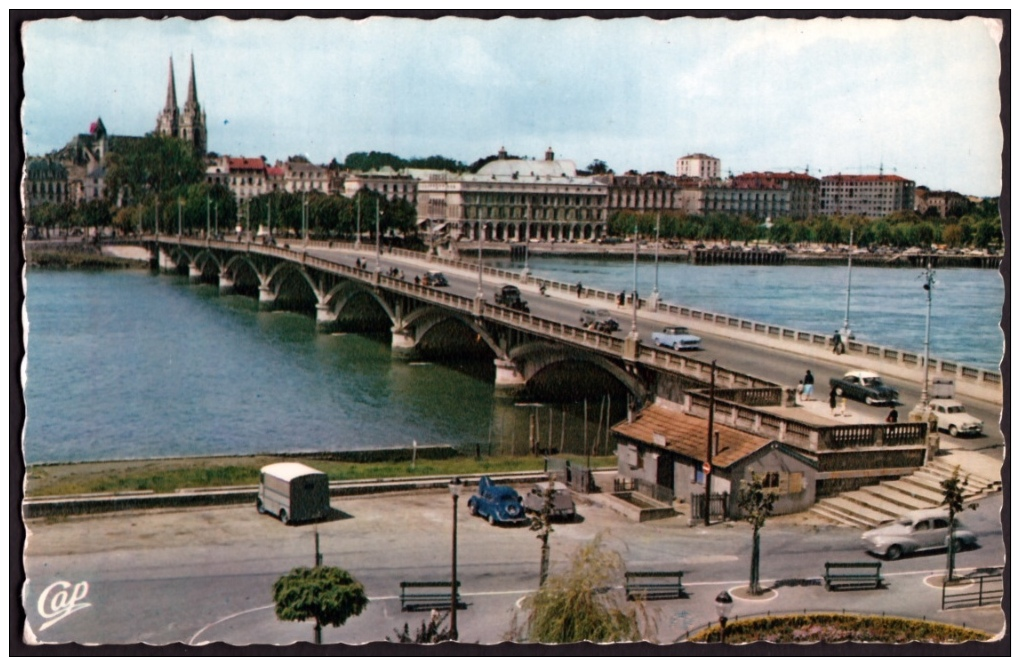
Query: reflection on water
{"points": [[130, 365]]}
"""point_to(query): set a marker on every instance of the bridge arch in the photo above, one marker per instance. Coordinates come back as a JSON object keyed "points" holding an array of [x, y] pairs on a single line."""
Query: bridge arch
{"points": [[534, 357], [418, 323]]}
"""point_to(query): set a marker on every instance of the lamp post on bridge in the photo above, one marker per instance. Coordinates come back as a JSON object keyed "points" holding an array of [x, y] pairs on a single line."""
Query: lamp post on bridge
{"points": [[180, 206], [654, 299], [378, 243], [208, 207]]}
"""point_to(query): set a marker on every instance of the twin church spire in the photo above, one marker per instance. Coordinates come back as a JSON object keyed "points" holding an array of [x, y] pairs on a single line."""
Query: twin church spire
{"points": [[188, 124]]}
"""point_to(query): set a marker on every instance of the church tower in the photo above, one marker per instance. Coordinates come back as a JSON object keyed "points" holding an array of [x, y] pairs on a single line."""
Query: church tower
{"points": [[192, 122], [167, 121]]}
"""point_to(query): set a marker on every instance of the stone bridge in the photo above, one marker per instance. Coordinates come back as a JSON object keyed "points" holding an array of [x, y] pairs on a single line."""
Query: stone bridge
{"points": [[522, 345]]}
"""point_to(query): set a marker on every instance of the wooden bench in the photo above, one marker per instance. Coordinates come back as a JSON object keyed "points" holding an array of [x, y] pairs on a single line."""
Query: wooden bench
{"points": [[651, 584], [414, 597], [852, 574]]}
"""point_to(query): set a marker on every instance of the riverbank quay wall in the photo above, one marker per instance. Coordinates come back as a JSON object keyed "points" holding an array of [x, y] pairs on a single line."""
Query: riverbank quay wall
{"points": [[969, 381], [73, 505]]}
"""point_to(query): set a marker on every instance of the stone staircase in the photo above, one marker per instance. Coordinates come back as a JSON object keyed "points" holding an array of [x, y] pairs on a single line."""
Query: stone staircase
{"points": [[873, 505]]}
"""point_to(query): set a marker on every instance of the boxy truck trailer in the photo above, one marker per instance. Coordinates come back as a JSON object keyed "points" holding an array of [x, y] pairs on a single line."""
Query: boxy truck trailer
{"points": [[293, 492]]}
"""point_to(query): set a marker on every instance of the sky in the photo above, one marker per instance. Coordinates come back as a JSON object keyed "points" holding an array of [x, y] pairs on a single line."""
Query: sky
{"points": [[916, 97]]}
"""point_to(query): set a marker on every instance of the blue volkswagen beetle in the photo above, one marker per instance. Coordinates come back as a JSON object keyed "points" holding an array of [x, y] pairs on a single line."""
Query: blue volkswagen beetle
{"points": [[500, 504]]}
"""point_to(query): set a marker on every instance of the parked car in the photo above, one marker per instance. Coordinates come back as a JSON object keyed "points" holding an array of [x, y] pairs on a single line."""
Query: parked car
{"points": [[562, 502], [598, 319], [926, 529], [865, 386], [954, 418], [676, 337], [510, 296], [435, 279], [499, 504], [293, 492]]}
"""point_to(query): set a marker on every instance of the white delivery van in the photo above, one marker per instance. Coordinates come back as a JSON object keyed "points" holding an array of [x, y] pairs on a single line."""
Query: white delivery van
{"points": [[293, 492]]}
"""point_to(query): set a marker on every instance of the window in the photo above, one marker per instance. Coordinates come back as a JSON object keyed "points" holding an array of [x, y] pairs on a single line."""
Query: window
{"points": [[770, 480]]}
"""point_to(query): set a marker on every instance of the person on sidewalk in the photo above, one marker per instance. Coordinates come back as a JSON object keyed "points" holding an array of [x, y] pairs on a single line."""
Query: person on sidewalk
{"points": [[809, 385], [832, 400]]}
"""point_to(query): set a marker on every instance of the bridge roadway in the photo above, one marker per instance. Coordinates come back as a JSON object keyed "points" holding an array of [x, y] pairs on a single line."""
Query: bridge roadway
{"points": [[767, 363]]}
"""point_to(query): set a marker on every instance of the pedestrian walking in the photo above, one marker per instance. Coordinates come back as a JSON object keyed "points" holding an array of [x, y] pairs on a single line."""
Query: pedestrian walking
{"points": [[809, 385], [580, 289], [837, 344], [800, 390], [620, 299], [893, 416], [832, 399]]}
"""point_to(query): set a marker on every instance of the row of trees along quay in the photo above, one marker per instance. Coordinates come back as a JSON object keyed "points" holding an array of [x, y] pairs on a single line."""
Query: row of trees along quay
{"points": [[582, 603], [161, 178]]}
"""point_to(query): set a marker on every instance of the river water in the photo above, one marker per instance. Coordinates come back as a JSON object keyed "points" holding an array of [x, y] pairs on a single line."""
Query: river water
{"points": [[127, 364]]}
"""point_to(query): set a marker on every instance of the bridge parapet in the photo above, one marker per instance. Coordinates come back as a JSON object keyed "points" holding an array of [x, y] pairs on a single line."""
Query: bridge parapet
{"points": [[974, 381]]}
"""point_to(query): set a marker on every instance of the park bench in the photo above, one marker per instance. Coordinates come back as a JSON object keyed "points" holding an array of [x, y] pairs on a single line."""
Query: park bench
{"points": [[852, 574], [654, 584], [415, 597]]}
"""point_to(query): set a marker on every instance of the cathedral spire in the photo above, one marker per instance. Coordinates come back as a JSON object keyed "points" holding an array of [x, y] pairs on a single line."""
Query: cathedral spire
{"points": [[167, 121], [192, 100], [171, 90]]}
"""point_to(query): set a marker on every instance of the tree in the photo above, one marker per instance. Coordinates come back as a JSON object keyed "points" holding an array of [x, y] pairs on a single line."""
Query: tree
{"points": [[582, 604], [151, 165], [756, 504], [952, 496], [598, 167], [327, 594]]}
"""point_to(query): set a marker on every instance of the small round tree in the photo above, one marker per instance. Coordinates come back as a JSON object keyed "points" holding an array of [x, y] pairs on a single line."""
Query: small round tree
{"points": [[327, 594]]}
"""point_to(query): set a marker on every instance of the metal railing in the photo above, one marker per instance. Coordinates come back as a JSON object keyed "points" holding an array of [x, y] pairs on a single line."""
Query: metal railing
{"points": [[989, 590]]}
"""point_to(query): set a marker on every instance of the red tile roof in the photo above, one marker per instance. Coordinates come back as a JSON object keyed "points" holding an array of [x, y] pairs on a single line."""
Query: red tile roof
{"points": [[274, 171], [687, 435], [246, 164]]}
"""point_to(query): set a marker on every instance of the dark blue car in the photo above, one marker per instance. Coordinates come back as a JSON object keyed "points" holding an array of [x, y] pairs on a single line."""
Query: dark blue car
{"points": [[500, 504]]}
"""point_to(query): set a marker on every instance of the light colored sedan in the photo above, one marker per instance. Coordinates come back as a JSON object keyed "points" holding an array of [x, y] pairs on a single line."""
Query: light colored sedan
{"points": [[955, 419], [927, 529]]}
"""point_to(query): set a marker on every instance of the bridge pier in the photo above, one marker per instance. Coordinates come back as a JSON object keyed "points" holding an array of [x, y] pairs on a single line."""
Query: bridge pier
{"points": [[509, 381], [404, 345], [325, 318], [194, 272], [267, 297], [166, 263], [226, 283]]}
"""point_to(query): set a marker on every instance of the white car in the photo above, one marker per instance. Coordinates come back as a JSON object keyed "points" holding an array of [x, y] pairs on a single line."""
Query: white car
{"points": [[926, 529], [954, 418]]}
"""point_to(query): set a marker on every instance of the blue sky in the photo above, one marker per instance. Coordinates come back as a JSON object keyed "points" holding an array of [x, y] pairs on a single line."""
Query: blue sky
{"points": [[919, 97]]}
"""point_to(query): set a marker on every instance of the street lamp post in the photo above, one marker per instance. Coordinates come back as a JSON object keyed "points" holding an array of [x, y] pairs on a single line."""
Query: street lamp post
{"points": [[180, 205], [216, 215], [208, 207], [480, 295], [929, 283], [304, 218], [723, 607], [157, 217], [633, 317], [378, 245], [357, 230], [654, 300], [846, 334], [455, 489], [527, 240]]}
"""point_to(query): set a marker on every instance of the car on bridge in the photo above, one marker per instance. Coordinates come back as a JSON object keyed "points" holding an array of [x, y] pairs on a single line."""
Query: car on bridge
{"points": [[434, 279], [598, 319], [510, 296], [865, 386], [953, 418], [501, 505], [676, 337]]}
